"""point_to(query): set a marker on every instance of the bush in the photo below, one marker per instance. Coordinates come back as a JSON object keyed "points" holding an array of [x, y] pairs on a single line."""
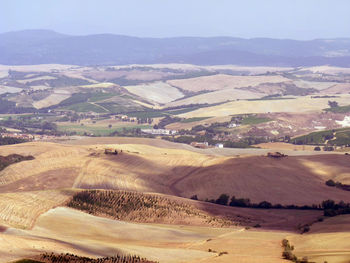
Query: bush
{"points": [[328, 204], [317, 148], [328, 148], [194, 197]]}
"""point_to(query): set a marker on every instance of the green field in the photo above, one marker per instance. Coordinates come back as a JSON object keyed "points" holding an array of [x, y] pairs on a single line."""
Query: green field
{"points": [[251, 120], [314, 138], [85, 107], [339, 138], [339, 109], [98, 130], [194, 119], [342, 137], [101, 96]]}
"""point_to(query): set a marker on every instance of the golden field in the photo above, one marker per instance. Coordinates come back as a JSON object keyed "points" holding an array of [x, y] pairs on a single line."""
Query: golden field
{"points": [[34, 194]]}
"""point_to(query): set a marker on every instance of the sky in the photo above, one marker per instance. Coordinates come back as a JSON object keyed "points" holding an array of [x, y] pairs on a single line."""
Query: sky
{"points": [[293, 19]]}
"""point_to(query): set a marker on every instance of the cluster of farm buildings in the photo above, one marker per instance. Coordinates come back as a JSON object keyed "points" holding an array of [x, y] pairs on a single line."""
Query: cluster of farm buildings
{"points": [[27, 137], [159, 131]]}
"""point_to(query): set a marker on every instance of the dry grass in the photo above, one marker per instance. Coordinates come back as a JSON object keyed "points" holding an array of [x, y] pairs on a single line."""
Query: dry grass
{"points": [[327, 241], [51, 100], [297, 105], [143, 168], [221, 82], [102, 85], [21, 209], [7, 89], [217, 97], [157, 92]]}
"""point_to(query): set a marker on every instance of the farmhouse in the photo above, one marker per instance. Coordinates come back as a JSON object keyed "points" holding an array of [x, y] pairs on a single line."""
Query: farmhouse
{"points": [[219, 145], [125, 118], [18, 135], [233, 125], [159, 131]]}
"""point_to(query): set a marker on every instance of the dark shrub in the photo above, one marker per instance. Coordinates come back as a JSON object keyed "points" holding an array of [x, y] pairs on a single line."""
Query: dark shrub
{"points": [[222, 200], [194, 197], [265, 204], [330, 182]]}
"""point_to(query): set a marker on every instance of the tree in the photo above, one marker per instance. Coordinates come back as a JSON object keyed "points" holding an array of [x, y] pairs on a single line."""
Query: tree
{"points": [[317, 148], [241, 202], [194, 197], [328, 148], [332, 104], [265, 204], [330, 182], [328, 204], [222, 200]]}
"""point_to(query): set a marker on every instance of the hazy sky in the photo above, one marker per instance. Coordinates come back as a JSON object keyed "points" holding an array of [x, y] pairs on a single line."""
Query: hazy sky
{"points": [[296, 19]]}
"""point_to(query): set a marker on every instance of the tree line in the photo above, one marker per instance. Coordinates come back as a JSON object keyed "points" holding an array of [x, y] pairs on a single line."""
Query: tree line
{"points": [[329, 207]]}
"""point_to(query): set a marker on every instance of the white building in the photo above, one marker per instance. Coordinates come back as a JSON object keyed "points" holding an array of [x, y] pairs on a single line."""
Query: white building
{"points": [[219, 145], [159, 131], [232, 125], [344, 123]]}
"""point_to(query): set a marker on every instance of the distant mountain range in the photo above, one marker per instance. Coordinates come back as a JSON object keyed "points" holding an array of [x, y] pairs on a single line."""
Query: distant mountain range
{"points": [[44, 46]]}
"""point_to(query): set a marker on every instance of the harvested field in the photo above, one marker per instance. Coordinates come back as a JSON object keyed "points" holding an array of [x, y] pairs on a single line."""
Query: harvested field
{"points": [[21, 209], [327, 241], [175, 171], [221, 82], [102, 85], [29, 80], [321, 86], [157, 92], [51, 100], [189, 125], [218, 96], [328, 70], [281, 146], [101, 236], [6, 89], [60, 172], [339, 88], [305, 104]]}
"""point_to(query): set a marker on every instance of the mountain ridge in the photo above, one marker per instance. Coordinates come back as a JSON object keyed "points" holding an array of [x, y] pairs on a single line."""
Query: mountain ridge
{"points": [[46, 46]]}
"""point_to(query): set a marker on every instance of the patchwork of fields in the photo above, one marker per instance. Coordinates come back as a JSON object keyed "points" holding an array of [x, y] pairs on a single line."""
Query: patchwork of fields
{"points": [[168, 201]]}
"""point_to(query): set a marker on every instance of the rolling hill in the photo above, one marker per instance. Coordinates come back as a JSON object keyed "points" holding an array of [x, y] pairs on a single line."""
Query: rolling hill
{"points": [[73, 198]]}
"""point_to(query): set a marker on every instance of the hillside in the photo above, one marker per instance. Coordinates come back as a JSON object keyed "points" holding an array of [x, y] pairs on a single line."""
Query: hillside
{"points": [[76, 199]]}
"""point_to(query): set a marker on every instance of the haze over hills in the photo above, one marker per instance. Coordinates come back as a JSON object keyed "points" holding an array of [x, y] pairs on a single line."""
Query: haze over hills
{"points": [[45, 46]]}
